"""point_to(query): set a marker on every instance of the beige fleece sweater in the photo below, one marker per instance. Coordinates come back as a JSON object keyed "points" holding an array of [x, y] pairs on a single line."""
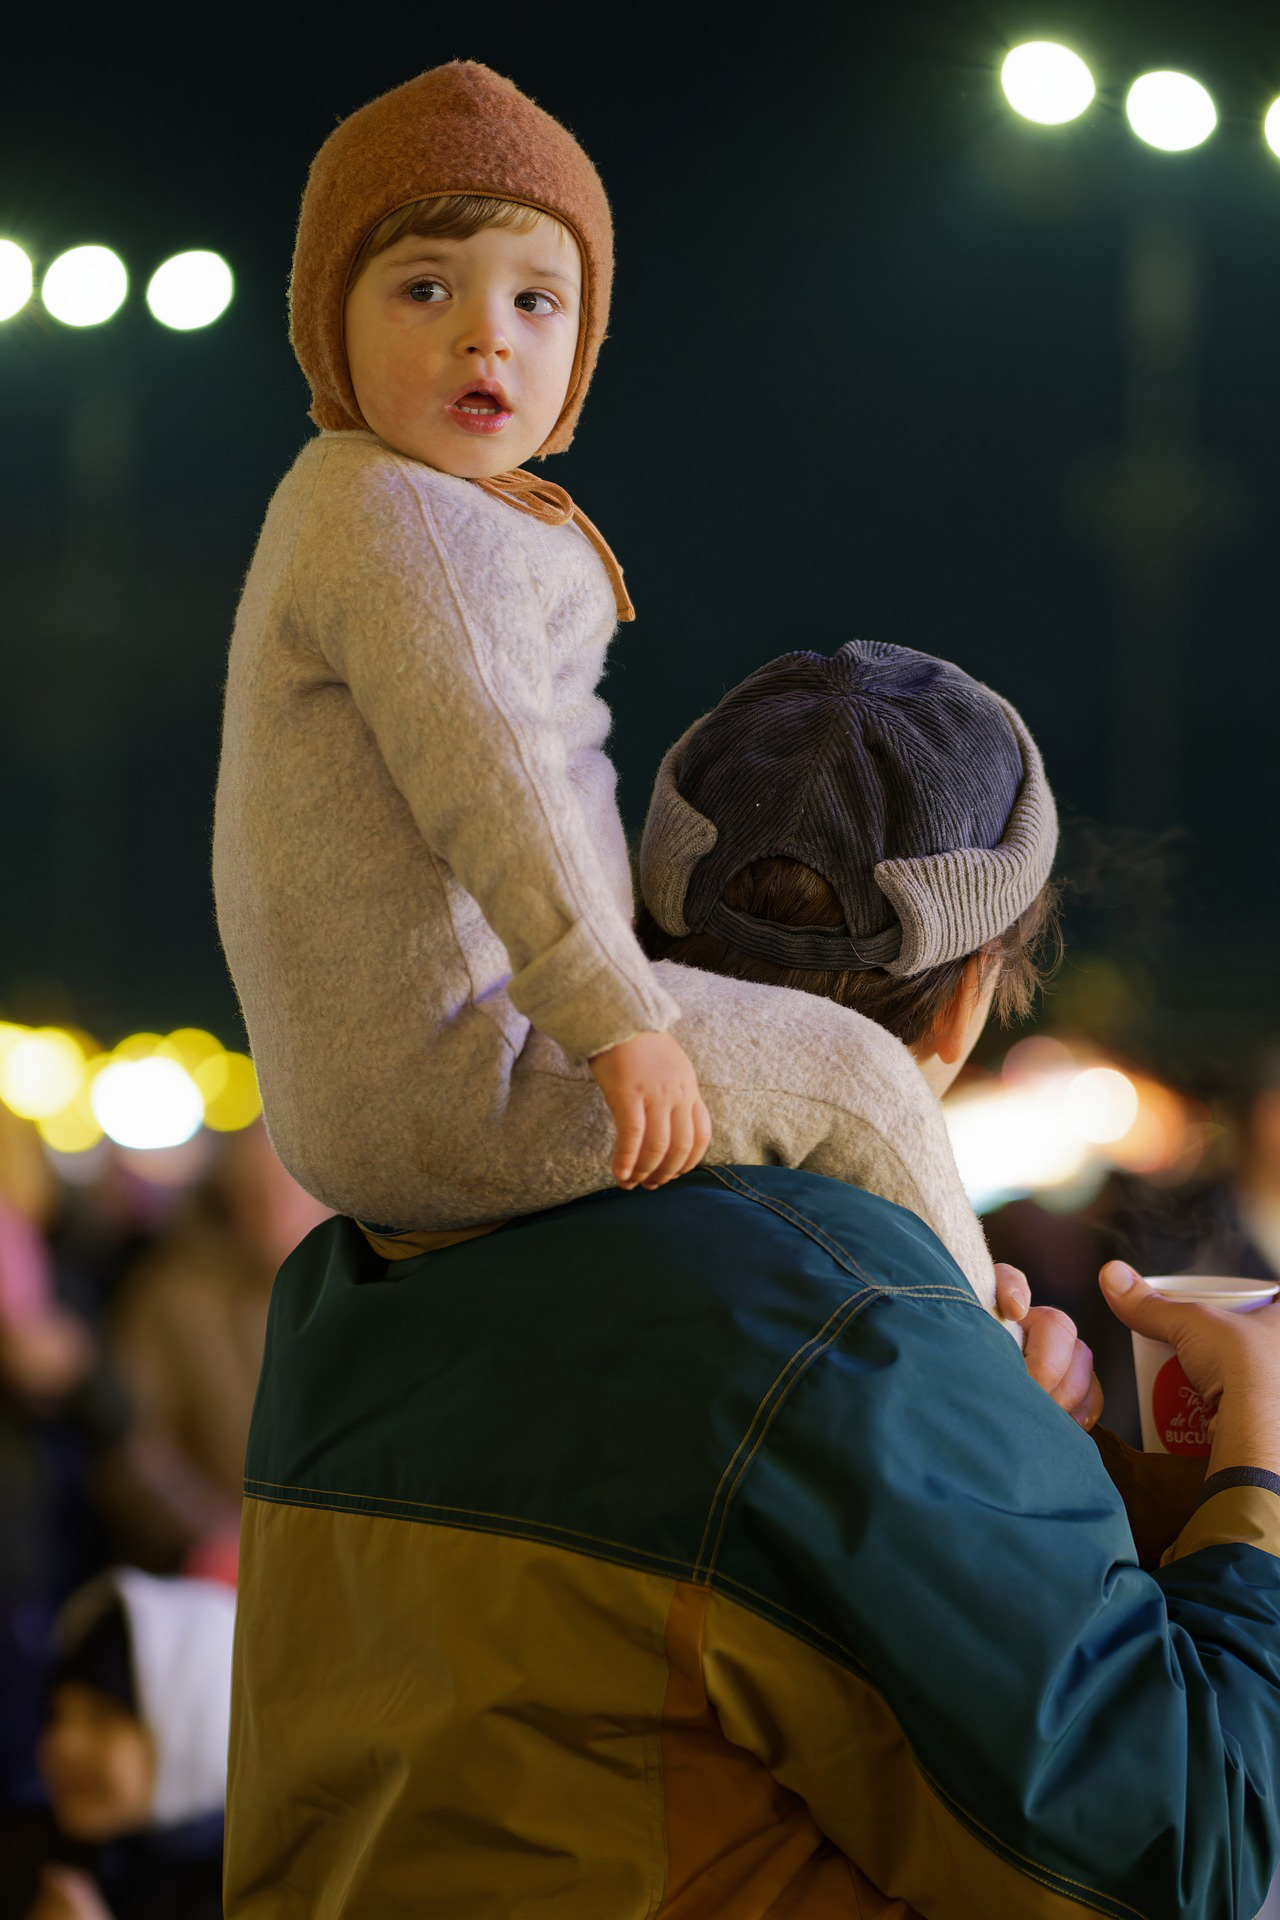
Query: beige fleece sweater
{"points": [[423, 890]]}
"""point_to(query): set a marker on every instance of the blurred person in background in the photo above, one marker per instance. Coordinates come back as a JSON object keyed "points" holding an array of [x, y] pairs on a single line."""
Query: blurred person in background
{"points": [[189, 1320], [1228, 1219], [1224, 1219], [133, 1753]]}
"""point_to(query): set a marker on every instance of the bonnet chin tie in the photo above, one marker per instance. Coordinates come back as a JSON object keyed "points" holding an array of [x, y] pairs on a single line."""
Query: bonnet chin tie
{"points": [[552, 505]]}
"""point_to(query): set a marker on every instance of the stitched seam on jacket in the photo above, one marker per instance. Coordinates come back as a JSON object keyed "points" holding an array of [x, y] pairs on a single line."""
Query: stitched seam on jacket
{"points": [[1034, 1869], [798, 1360], [365, 1502], [781, 1392], [735, 1182]]}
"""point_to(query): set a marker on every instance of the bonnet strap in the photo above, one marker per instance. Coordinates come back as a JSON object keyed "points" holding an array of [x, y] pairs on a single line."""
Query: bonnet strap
{"points": [[552, 505]]}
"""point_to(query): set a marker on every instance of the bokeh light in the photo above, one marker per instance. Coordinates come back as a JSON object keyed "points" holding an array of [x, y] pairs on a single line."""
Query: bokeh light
{"points": [[1046, 83], [1101, 1105], [190, 290], [1271, 127], [40, 1072], [1170, 111], [1013, 1139], [17, 279], [229, 1087], [189, 1046], [147, 1103], [85, 286], [74, 1130], [138, 1046]]}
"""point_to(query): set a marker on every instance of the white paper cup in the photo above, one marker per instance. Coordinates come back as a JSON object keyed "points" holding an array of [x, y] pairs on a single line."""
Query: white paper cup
{"points": [[1174, 1417]]}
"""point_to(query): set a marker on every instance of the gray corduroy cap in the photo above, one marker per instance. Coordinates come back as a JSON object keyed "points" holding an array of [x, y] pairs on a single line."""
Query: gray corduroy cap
{"points": [[916, 792]]}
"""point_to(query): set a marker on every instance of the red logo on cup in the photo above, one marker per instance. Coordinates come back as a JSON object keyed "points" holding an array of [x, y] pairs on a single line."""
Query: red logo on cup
{"points": [[1181, 1416]]}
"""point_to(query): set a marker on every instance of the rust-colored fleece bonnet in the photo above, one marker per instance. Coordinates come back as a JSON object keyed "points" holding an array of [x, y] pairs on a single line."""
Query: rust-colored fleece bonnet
{"points": [[458, 128]]}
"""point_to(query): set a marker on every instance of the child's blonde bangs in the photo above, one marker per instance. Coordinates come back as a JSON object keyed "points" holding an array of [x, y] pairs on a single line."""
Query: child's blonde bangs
{"points": [[447, 216]]}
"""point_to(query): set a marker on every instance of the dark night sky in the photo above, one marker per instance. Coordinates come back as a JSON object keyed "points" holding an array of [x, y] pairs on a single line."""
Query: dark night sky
{"points": [[866, 327]]}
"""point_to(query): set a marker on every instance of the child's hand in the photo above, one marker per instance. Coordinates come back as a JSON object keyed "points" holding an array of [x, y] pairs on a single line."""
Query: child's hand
{"points": [[662, 1127], [1057, 1359]]}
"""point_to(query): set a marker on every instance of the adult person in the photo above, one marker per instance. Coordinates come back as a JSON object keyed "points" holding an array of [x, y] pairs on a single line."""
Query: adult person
{"points": [[711, 1551]]}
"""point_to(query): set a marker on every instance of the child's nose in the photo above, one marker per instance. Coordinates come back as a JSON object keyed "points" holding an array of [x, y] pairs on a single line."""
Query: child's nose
{"points": [[482, 328]]}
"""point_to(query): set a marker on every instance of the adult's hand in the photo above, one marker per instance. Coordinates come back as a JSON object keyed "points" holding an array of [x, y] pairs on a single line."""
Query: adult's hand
{"points": [[1231, 1359], [1057, 1359]]}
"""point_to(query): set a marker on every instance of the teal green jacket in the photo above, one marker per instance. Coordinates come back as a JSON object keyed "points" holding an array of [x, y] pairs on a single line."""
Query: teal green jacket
{"points": [[710, 1553]]}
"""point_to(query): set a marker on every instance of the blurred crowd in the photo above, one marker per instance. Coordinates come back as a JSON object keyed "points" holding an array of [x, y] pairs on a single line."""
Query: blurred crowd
{"points": [[132, 1319]]}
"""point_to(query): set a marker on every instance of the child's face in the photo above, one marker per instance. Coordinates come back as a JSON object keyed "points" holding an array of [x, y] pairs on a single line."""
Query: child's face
{"points": [[430, 316], [98, 1764]]}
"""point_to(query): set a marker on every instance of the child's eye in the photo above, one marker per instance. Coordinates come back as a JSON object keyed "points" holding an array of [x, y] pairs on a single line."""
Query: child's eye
{"points": [[411, 291], [551, 304]]}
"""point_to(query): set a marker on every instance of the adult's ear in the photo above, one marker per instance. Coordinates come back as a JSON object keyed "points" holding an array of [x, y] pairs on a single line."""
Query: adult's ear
{"points": [[950, 1030]]}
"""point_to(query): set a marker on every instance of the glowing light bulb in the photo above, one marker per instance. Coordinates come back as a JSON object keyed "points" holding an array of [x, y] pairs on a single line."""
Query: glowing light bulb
{"points": [[1046, 83]]}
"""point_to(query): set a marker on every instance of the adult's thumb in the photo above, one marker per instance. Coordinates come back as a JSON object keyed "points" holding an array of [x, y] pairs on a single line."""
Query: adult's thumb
{"points": [[1136, 1304]]}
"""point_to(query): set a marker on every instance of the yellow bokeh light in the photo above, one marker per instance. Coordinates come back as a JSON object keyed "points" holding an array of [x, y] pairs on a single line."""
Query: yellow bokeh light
{"points": [[236, 1102], [71, 1131], [74, 1128], [40, 1073], [189, 1046], [211, 1076], [138, 1046]]}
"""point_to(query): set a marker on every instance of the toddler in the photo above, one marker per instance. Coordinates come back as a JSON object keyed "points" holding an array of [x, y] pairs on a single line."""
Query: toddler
{"points": [[421, 877], [417, 852]]}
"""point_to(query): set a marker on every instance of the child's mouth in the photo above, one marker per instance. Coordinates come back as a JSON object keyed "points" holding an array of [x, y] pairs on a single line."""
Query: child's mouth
{"points": [[478, 413]]}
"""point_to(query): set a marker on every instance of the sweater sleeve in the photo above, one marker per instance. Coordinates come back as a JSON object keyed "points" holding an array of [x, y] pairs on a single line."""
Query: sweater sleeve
{"points": [[982, 1698], [445, 656]]}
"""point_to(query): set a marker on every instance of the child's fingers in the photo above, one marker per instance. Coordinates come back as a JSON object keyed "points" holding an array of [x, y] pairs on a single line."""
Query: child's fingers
{"points": [[657, 1138], [701, 1133], [628, 1120], [676, 1158]]}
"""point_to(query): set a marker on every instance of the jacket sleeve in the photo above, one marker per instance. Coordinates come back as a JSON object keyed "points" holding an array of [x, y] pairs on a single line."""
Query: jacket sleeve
{"points": [[928, 1621], [448, 666]]}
